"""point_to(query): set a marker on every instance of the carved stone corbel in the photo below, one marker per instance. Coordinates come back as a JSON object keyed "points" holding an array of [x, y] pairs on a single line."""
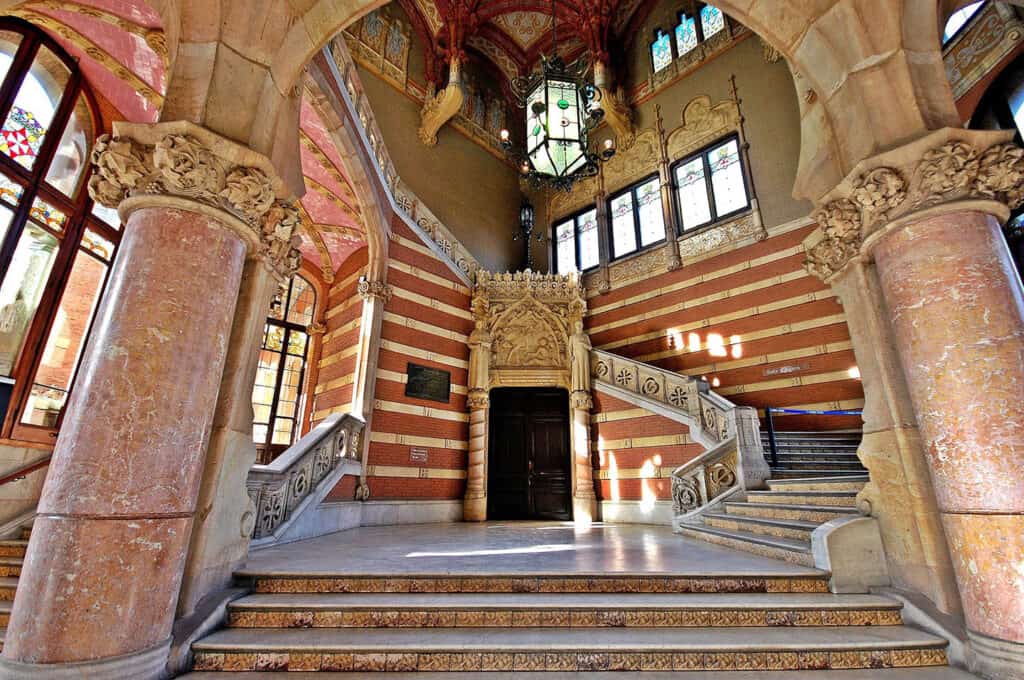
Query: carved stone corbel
{"points": [[374, 290], [438, 109], [617, 113]]}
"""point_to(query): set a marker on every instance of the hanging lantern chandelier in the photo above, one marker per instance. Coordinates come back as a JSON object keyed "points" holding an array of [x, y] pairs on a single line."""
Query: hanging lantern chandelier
{"points": [[562, 109]]}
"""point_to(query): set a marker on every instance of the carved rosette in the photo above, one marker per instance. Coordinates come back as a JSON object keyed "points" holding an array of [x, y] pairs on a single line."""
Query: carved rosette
{"points": [[182, 166], [963, 166], [374, 290]]}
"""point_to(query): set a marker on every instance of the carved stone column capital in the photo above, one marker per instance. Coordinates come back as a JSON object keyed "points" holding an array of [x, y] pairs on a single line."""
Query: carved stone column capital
{"points": [[947, 170], [183, 165], [581, 400], [374, 290], [317, 328], [478, 399]]}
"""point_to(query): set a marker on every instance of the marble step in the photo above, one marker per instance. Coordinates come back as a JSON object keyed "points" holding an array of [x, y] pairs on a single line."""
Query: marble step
{"points": [[794, 473], [818, 465], [13, 548], [804, 513], [600, 649], [5, 612], [816, 434], [783, 528], [844, 483], [786, 549], [810, 581], [928, 673], [559, 610], [846, 499], [10, 566], [8, 585]]}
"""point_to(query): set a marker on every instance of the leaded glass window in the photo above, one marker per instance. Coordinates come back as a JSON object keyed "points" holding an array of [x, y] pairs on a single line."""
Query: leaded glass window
{"points": [[711, 185], [661, 51], [711, 20], [637, 218], [277, 396], [959, 19], [56, 246], [686, 35], [576, 242]]}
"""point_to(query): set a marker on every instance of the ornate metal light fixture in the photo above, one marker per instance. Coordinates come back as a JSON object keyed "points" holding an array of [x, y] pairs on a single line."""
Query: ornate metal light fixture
{"points": [[561, 112], [526, 227]]}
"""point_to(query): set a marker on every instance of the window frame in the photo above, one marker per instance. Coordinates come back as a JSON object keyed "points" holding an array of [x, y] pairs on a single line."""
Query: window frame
{"points": [[947, 41], [266, 450], [703, 153], [632, 189], [575, 217], [658, 34], [77, 208]]}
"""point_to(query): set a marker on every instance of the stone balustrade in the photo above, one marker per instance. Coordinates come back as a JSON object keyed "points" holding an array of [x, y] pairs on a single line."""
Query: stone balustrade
{"points": [[279, 488], [734, 459]]}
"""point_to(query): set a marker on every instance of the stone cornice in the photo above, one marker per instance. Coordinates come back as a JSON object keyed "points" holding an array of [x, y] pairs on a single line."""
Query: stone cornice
{"points": [[949, 169], [183, 164]]}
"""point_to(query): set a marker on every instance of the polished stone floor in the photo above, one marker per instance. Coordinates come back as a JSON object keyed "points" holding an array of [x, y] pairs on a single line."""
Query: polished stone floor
{"points": [[511, 548]]}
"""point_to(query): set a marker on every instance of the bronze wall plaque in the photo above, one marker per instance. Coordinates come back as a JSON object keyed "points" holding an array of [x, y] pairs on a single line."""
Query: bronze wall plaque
{"points": [[424, 382]]}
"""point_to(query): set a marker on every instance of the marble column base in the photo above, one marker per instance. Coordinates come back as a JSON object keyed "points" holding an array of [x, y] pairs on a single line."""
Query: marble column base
{"points": [[996, 659], [474, 509], [148, 664]]}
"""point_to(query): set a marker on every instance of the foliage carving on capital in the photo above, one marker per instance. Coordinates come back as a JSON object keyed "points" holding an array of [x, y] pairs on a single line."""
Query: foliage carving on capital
{"points": [[949, 168], [478, 399], [1001, 174], [581, 400], [840, 223], [879, 191], [183, 166], [374, 290]]}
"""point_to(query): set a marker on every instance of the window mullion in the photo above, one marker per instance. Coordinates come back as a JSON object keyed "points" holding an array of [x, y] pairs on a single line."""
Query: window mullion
{"points": [[636, 217], [709, 185], [278, 382], [19, 68]]}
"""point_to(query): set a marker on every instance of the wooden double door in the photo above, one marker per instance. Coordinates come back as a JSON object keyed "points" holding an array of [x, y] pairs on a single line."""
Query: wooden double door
{"points": [[529, 466]]}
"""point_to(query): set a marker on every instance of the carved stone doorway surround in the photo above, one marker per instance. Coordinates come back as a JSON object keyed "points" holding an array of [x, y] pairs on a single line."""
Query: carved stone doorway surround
{"points": [[529, 333]]}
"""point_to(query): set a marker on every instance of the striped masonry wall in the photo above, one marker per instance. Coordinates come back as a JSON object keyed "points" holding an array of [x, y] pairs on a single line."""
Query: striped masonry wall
{"points": [[418, 447], [636, 450], [784, 336], [333, 391]]}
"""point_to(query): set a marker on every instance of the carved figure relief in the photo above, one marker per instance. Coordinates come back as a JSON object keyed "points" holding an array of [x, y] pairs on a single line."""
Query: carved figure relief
{"points": [[527, 335]]}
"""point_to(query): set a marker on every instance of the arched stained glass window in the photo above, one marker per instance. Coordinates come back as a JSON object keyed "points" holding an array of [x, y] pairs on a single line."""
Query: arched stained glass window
{"points": [[56, 246], [711, 20], [686, 35], [277, 398], [661, 51]]}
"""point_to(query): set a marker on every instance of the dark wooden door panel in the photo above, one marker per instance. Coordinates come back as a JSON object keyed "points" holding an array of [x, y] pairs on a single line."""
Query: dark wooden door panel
{"points": [[529, 473]]}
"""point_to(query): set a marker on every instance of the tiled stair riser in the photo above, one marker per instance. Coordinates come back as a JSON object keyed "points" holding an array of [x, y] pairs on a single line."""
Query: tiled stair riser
{"points": [[843, 499], [769, 512], [562, 619], [805, 559], [542, 585], [760, 529], [568, 661]]}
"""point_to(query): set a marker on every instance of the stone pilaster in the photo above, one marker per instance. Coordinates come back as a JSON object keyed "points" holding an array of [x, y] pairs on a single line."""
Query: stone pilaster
{"points": [[375, 295], [474, 508], [584, 499]]}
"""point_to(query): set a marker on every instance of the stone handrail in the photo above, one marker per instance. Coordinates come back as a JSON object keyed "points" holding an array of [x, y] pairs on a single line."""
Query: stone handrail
{"points": [[728, 432], [706, 480], [411, 207], [279, 488]]}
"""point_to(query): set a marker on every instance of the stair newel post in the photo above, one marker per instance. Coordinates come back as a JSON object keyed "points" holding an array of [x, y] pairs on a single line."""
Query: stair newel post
{"points": [[771, 436]]}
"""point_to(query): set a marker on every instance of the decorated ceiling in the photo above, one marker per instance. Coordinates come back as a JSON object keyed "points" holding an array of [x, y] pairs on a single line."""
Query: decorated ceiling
{"points": [[513, 34], [120, 46]]}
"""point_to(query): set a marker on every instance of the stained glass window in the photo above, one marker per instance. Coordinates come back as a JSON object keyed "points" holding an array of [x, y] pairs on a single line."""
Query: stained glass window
{"points": [[46, 293], [637, 218], [277, 398], [711, 20], [711, 185], [661, 50], [623, 225], [576, 243], [959, 19], [686, 35]]}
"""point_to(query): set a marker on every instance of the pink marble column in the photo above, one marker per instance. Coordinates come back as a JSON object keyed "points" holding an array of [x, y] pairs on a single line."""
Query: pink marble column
{"points": [[108, 549], [957, 309]]}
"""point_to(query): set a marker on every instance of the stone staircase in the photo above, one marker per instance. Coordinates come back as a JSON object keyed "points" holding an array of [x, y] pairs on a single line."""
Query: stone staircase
{"points": [[814, 454], [497, 624], [12, 554], [778, 522]]}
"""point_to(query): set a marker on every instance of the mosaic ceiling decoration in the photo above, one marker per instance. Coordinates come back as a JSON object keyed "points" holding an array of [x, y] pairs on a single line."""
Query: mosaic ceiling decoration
{"points": [[120, 45]]}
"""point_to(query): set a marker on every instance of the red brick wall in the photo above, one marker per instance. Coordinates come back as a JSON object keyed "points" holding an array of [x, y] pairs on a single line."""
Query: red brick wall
{"points": [[793, 344]]}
